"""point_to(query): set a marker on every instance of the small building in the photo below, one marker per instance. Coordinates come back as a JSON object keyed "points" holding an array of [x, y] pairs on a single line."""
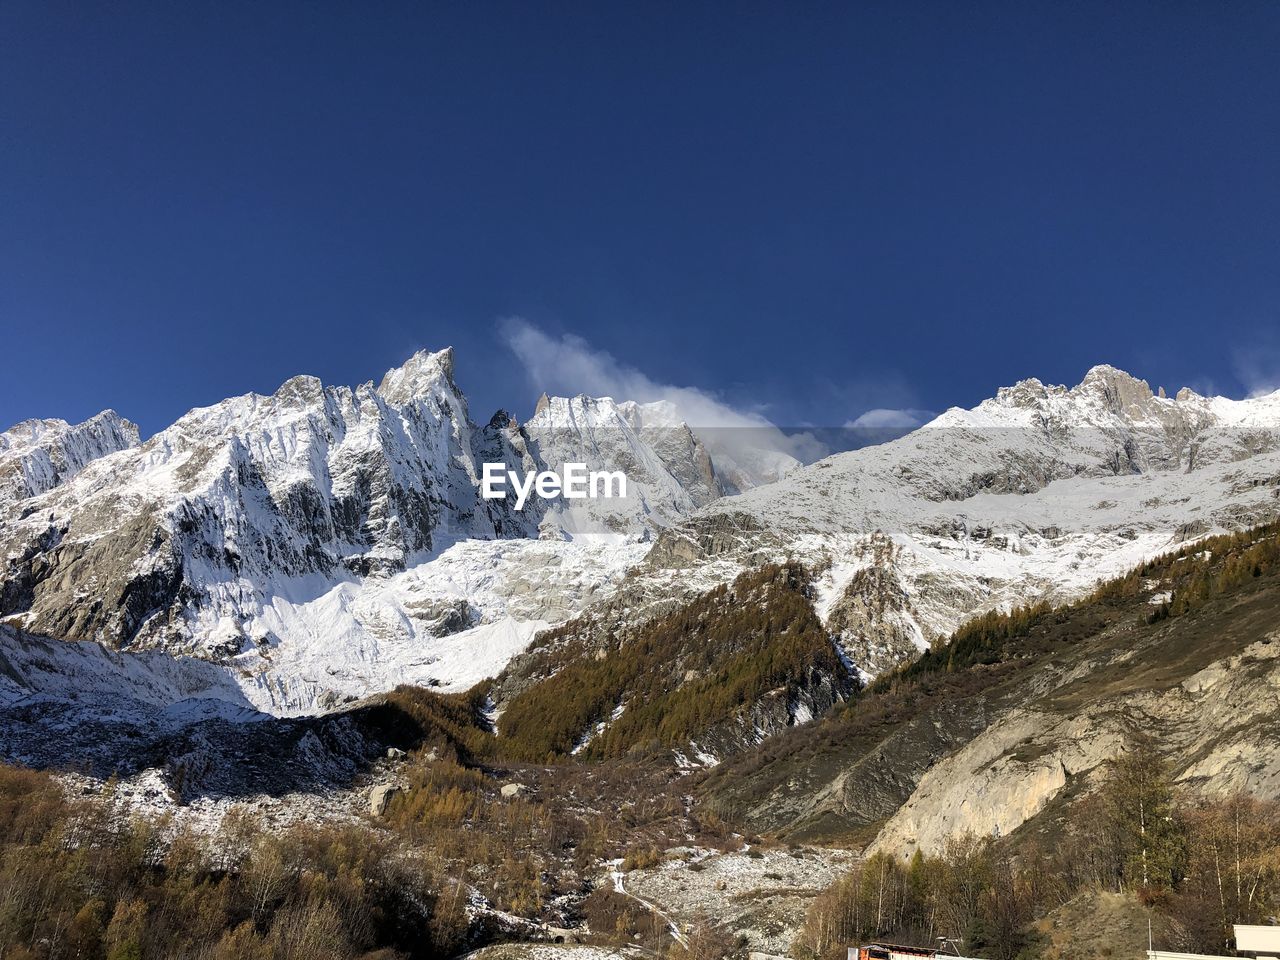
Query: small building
{"points": [[890, 951], [1262, 942]]}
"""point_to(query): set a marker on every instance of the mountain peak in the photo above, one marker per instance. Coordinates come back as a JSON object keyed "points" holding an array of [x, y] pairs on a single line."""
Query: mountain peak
{"points": [[28, 431], [38, 455], [1024, 393], [418, 375], [503, 420], [303, 387], [37, 430], [598, 410], [1114, 389], [1121, 392], [1107, 376]]}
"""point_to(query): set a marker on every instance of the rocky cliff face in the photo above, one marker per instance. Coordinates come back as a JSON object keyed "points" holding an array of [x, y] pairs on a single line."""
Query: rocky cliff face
{"points": [[871, 616], [1212, 723], [669, 472], [38, 455], [211, 515], [328, 541], [995, 747], [260, 529], [287, 554]]}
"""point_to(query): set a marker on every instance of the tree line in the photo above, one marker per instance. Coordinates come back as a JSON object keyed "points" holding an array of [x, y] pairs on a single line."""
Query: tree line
{"points": [[82, 878], [676, 678]]}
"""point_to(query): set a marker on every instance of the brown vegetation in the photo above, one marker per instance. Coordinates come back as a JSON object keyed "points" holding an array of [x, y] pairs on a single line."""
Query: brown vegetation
{"points": [[956, 683], [1199, 865], [78, 879], [678, 677]]}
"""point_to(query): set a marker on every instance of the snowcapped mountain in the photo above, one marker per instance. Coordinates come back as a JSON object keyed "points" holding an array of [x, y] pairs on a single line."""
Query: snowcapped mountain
{"points": [[37, 455], [668, 470], [744, 455], [330, 541], [1034, 494], [322, 543], [253, 493]]}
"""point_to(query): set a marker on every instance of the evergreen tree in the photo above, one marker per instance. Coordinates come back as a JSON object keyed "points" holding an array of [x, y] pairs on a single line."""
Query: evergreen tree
{"points": [[1140, 806]]}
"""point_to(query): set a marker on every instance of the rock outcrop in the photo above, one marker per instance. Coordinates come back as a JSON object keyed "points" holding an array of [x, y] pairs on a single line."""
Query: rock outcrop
{"points": [[996, 745], [38, 455]]}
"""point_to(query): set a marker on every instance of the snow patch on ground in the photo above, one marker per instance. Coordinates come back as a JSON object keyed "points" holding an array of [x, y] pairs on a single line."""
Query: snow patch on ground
{"points": [[359, 638]]}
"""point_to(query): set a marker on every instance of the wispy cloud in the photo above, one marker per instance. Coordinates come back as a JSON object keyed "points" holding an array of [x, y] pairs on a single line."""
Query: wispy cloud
{"points": [[882, 418], [568, 365], [1258, 366]]}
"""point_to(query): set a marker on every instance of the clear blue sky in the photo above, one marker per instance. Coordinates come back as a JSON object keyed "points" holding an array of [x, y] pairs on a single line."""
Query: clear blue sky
{"points": [[812, 209]]}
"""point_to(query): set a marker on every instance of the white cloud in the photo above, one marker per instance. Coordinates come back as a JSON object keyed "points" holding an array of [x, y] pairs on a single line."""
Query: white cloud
{"points": [[569, 365], [1259, 374], [887, 419], [1258, 365]]}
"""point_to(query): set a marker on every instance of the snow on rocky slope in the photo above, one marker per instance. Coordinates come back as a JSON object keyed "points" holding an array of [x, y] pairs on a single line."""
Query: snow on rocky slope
{"points": [[1037, 493], [323, 543], [34, 670], [327, 542], [37, 455], [669, 473], [181, 537]]}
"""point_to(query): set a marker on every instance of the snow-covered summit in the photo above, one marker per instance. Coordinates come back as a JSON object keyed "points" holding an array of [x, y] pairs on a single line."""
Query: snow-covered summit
{"points": [[1019, 442], [424, 374], [323, 542], [37, 455], [265, 520], [1114, 422], [1035, 493], [669, 472], [1108, 398]]}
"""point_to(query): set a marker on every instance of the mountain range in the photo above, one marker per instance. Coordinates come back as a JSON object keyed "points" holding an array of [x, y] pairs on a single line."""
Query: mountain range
{"points": [[285, 554], [294, 623]]}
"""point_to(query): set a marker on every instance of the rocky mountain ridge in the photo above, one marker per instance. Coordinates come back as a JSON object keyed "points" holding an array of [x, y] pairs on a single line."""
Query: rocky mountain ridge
{"points": [[1012, 725], [325, 540], [324, 543], [1036, 493], [38, 455]]}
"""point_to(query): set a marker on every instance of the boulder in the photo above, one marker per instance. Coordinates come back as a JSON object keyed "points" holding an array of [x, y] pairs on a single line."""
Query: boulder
{"points": [[380, 796]]}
